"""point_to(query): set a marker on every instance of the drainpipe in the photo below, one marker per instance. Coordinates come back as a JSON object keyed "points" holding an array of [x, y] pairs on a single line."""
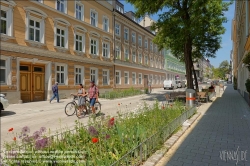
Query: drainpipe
{"points": [[114, 46], [247, 21]]}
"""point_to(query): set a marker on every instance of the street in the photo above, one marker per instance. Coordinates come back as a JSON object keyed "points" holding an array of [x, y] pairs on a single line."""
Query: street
{"points": [[52, 116]]}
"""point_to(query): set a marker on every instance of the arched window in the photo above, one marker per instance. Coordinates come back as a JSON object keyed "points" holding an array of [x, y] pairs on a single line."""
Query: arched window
{"points": [[61, 33], [7, 18]]}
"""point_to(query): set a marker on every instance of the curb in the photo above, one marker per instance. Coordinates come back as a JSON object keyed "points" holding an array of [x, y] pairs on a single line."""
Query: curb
{"points": [[157, 156]]}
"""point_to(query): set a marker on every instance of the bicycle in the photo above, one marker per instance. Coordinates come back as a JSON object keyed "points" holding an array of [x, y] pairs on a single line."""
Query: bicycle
{"points": [[72, 107]]}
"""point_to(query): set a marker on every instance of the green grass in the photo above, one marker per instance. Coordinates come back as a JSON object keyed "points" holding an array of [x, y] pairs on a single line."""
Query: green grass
{"points": [[121, 93]]}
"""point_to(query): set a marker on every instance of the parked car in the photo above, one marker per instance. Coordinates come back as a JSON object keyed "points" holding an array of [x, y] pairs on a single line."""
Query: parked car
{"points": [[181, 84], [4, 103], [169, 84]]}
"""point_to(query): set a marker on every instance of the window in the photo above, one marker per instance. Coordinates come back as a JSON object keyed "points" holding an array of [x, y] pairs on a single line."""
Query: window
{"points": [[119, 8], [60, 37], [105, 50], [106, 24], [34, 30], [79, 75], [117, 52], [94, 75], [6, 19], [156, 79], [133, 56], [140, 41], [140, 78], [133, 78], [126, 34], [39, 1], [151, 46], [146, 43], [117, 29], [151, 78], [61, 5], [133, 38], [3, 22], [126, 77], [93, 18], [146, 60], [117, 77], [80, 42], [140, 58], [79, 11], [3, 76], [93, 47], [126, 54], [60, 74], [105, 77]]}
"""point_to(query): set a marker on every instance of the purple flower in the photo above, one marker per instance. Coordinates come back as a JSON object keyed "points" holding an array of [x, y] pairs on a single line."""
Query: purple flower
{"points": [[26, 129], [38, 144], [44, 142], [92, 131], [37, 135], [42, 129]]}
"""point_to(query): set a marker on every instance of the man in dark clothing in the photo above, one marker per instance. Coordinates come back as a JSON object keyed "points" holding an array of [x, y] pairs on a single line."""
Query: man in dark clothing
{"points": [[55, 92]]}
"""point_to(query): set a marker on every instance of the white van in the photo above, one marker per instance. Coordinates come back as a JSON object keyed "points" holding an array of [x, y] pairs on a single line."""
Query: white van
{"points": [[170, 84]]}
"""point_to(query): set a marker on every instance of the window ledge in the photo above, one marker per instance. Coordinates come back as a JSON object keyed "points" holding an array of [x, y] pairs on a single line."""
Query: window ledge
{"points": [[105, 58], [79, 53], [6, 37], [35, 44], [94, 56], [61, 49]]}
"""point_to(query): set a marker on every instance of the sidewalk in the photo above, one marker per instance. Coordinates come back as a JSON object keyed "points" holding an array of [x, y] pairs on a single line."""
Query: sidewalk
{"points": [[221, 137]]}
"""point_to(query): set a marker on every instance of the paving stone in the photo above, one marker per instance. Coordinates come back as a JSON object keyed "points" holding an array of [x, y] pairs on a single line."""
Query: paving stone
{"points": [[222, 127]]}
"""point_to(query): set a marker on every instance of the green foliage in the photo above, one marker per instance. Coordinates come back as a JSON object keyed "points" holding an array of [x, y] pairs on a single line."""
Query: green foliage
{"points": [[247, 84], [121, 93], [186, 27], [222, 70], [106, 141]]}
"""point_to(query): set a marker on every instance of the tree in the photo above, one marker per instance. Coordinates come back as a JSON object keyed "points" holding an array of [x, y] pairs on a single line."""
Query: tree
{"points": [[222, 70], [190, 29]]}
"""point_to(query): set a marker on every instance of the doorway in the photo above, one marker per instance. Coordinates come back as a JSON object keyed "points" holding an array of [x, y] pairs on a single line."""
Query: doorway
{"points": [[32, 82]]}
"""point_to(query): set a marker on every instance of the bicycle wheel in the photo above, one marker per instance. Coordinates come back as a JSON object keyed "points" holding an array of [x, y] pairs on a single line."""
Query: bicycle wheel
{"points": [[70, 108], [97, 106]]}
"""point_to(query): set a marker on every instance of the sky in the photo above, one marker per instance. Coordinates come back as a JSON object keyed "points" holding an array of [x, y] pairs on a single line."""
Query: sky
{"points": [[226, 45]]}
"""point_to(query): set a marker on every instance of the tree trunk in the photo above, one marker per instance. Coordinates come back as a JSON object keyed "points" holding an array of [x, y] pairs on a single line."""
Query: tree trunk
{"points": [[188, 62], [195, 79]]}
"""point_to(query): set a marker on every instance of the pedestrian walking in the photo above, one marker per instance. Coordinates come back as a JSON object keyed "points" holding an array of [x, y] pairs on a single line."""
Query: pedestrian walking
{"points": [[93, 95], [55, 92]]}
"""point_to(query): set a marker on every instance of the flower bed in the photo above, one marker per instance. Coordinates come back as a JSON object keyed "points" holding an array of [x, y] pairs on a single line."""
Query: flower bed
{"points": [[103, 142], [121, 93]]}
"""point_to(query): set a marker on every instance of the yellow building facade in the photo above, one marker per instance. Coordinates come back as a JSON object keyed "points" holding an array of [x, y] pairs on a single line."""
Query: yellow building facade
{"points": [[43, 42]]}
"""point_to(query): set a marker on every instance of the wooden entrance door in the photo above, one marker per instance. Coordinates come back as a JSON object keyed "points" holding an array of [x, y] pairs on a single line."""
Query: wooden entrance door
{"points": [[32, 82]]}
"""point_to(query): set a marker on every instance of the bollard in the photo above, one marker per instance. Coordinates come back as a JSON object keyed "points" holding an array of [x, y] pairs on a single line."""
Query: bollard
{"points": [[190, 98]]}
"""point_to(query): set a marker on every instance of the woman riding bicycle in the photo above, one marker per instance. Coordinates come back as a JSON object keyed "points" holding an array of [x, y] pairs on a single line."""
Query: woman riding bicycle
{"points": [[81, 93]]}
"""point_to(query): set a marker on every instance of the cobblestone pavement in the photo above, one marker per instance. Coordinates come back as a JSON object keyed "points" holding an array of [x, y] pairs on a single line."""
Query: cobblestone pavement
{"points": [[221, 137]]}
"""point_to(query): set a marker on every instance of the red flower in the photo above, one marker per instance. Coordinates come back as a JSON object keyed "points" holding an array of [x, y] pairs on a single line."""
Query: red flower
{"points": [[14, 138], [112, 119], [111, 122], [95, 140], [11, 129]]}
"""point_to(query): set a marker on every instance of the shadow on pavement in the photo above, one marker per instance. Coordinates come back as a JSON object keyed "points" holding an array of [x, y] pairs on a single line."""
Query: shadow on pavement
{"points": [[223, 130], [7, 113]]}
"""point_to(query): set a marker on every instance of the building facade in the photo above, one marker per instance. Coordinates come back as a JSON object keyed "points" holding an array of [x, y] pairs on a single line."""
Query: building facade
{"points": [[137, 60], [175, 69], [203, 69], [43, 42], [241, 44], [72, 43]]}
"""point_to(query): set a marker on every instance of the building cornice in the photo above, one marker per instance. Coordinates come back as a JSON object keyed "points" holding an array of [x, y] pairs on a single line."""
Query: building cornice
{"points": [[138, 66], [50, 54]]}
